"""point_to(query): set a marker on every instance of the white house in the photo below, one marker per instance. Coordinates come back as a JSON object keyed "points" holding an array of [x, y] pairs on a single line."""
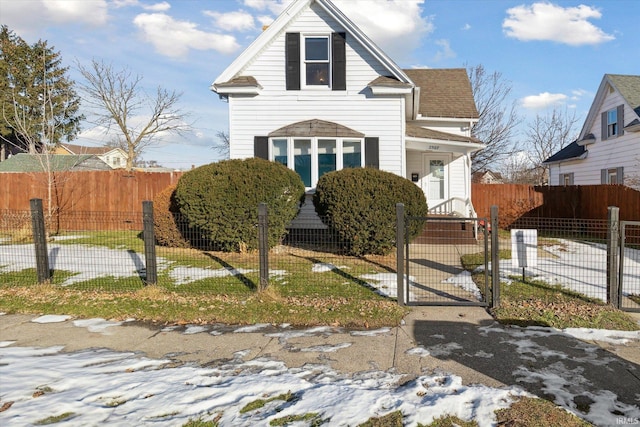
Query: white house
{"points": [[608, 148], [316, 94]]}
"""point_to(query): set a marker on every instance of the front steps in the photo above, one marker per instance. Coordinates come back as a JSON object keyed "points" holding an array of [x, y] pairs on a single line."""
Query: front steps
{"points": [[441, 231]]}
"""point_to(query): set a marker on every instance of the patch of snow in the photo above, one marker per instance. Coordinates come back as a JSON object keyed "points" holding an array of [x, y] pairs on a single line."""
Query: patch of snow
{"points": [[465, 281], [96, 325], [51, 318], [182, 275], [252, 328], [371, 333], [327, 348]]}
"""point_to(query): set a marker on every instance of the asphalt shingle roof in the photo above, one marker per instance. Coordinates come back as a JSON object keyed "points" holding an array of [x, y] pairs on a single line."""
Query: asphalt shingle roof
{"points": [[444, 92], [629, 88], [571, 151], [55, 162]]}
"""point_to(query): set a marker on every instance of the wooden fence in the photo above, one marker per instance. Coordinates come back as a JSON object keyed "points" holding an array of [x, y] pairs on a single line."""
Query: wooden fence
{"points": [[86, 191], [516, 201]]}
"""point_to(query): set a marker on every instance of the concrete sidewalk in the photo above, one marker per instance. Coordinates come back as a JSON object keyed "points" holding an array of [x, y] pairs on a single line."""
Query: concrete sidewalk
{"points": [[464, 341]]}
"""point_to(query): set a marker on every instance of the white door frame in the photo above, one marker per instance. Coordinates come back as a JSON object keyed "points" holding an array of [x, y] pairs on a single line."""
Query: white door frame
{"points": [[428, 181]]}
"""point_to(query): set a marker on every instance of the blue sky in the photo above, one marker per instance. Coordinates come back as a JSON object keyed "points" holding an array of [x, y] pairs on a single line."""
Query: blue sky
{"points": [[554, 54]]}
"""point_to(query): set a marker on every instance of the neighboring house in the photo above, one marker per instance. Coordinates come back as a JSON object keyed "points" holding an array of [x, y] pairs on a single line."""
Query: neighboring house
{"points": [[116, 158], [487, 177], [315, 93], [23, 162], [608, 148]]}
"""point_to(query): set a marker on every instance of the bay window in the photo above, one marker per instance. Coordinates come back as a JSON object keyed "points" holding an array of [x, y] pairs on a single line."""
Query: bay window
{"points": [[313, 157]]}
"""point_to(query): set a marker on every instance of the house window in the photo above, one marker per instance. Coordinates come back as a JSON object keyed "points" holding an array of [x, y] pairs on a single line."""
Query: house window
{"points": [[313, 157], [116, 161], [612, 123], [566, 179], [612, 176], [316, 60]]}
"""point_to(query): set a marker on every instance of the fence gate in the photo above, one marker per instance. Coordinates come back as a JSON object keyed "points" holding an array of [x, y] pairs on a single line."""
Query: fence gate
{"points": [[629, 278], [434, 271]]}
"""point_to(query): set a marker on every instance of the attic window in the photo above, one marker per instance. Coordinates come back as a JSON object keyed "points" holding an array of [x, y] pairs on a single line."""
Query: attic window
{"points": [[612, 123], [316, 60]]}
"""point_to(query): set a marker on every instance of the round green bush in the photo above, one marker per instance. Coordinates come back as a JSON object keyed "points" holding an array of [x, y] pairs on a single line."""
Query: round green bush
{"points": [[221, 200], [360, 206], [167, 224]]}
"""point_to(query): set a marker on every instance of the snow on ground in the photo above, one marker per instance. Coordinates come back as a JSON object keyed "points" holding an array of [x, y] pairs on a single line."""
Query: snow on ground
{"points": [[99, 386], [104, 387]]}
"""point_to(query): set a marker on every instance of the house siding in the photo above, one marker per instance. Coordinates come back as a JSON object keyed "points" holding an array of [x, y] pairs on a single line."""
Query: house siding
{"points": [[276, 107], [622, 151]]}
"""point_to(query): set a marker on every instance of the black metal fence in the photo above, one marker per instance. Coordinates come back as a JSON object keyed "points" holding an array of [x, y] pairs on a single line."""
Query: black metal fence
{"points": [[115, 252]]}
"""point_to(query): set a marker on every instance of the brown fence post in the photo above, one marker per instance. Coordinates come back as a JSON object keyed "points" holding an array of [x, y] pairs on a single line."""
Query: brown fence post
{"points": [[613, 255], [40, 241], [148, 234], [495, 259], [263, 245], [401, 291]]}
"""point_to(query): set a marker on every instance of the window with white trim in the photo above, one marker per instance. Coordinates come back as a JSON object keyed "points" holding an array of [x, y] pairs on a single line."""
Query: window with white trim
{"points": [[566, 179], [612, 176], [317, 65], [612, 123], [313, 157]]}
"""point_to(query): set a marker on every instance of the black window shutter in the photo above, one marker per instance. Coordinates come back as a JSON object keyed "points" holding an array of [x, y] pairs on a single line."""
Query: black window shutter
{"points": [[571, 178], [338, 61], [620, 175], [261, 147], [603, 119], [603, 176], [292, 59], [371, 153], [620, 120]]}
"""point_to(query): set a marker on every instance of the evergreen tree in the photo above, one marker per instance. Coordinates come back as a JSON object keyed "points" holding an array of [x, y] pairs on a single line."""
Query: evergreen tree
{"points": [[38, 102]]}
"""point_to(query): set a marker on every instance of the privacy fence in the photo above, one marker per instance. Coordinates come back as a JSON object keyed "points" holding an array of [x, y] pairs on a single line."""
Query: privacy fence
{"points": [[570, 202], [599, 259], [70, 192]]}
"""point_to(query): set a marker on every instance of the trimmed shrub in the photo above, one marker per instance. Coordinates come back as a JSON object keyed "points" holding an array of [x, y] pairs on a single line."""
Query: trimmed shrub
{"points": [[167, 223], [359, 205], [221, 201]]}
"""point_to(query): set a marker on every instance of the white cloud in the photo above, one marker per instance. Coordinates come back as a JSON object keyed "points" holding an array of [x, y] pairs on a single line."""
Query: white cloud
{"points": [[158, 7], [466, 27], [28, 18], [397, 26], [232, 21], [445, 51], [274, 6], [543, 100], [547, 21], [65, 11], [175, 38]]}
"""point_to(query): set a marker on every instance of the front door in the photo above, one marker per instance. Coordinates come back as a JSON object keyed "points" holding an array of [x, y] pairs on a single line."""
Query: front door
{"points": [[435, 183]]}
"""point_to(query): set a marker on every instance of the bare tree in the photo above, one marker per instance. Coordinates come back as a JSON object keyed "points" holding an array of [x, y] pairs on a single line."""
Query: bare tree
{"points": [[223, 145], [518, 169], [498, 118], [547, 134], [119, 101]]}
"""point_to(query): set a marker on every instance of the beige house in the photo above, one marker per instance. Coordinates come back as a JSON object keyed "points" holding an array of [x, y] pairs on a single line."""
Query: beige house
{"points": [[116, 158]]}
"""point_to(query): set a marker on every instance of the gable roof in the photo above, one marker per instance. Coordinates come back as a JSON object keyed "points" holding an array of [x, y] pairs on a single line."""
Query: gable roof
{"points": [[316, 127], [444, 92], [571, 151], [24, 162], [234, 70], [628, 86], [81, 149]]}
